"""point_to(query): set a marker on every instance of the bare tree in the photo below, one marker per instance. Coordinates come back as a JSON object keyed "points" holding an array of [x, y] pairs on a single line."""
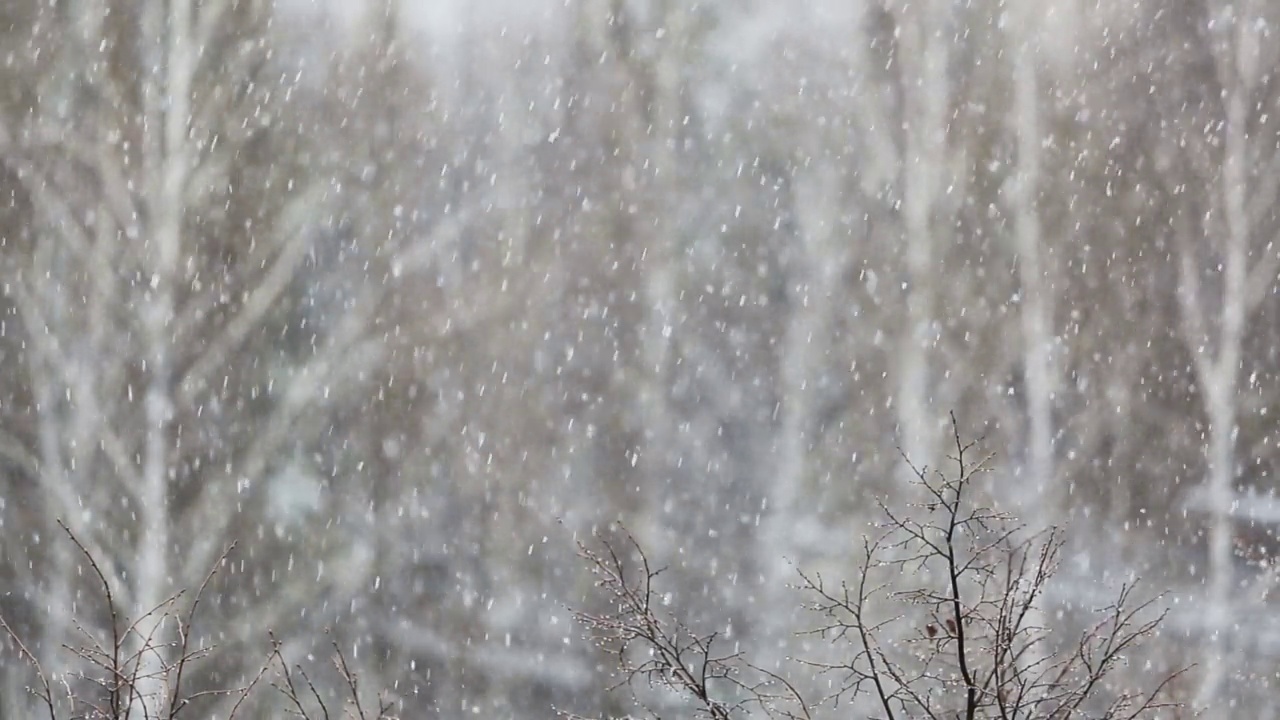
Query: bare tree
{"points": [[115, 665], [1224, 273], [170, 220], [940, 621], [654, 648]]}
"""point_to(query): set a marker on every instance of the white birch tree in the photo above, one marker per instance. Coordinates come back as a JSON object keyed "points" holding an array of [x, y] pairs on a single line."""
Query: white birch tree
{"points": [[924, 57], [169, 220], [1035, 274], [1224, 272]]}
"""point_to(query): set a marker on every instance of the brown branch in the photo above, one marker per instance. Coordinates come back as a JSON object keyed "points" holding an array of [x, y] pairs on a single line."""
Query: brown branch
{"points": [[977, 654]]}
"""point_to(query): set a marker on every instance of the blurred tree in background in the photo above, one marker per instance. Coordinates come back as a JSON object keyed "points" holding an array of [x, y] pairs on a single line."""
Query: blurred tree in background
{"points": [[386, 290]]}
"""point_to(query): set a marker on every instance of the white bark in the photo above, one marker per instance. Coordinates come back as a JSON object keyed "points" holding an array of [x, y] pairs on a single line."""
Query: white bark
{"points": [[813, 283], [167, 163], [1040, 496], [67, 368], [1218, 358], [1218, 381], [925, 58], [658, 158], [1041, 380]]}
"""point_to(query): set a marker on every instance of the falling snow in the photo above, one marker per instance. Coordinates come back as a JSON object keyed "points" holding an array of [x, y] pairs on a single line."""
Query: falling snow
{"points": [[400, 300]]}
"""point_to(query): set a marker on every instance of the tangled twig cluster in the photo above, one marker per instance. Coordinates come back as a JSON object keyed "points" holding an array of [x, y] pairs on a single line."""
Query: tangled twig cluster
{"points": [[943, 619]]}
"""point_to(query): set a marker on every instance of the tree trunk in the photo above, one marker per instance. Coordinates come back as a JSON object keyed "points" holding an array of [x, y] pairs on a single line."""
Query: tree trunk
{"points": [[1219, 380], [815, 272], [167, 104], [925, 57]]}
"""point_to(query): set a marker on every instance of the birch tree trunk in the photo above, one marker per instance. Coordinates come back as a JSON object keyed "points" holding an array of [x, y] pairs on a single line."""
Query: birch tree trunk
{"points": [[648, 42], [661, 252], [815, 271], [166, 98], [925, 56], [1217, 345], [168, 228], [1040, 492], [1037, 491]]}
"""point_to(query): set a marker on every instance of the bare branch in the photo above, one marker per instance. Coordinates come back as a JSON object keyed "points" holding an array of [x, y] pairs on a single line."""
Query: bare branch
{"points": [[938, 622]]}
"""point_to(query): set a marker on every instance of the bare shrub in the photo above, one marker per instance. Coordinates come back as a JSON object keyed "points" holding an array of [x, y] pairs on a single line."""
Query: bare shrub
{"points": [[128, 671], [305, 700], [119, 668], [943, 619], [656, 648]]}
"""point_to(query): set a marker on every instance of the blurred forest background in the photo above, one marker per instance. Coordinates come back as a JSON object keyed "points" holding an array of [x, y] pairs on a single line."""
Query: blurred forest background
{"points": [[388, 291]]}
